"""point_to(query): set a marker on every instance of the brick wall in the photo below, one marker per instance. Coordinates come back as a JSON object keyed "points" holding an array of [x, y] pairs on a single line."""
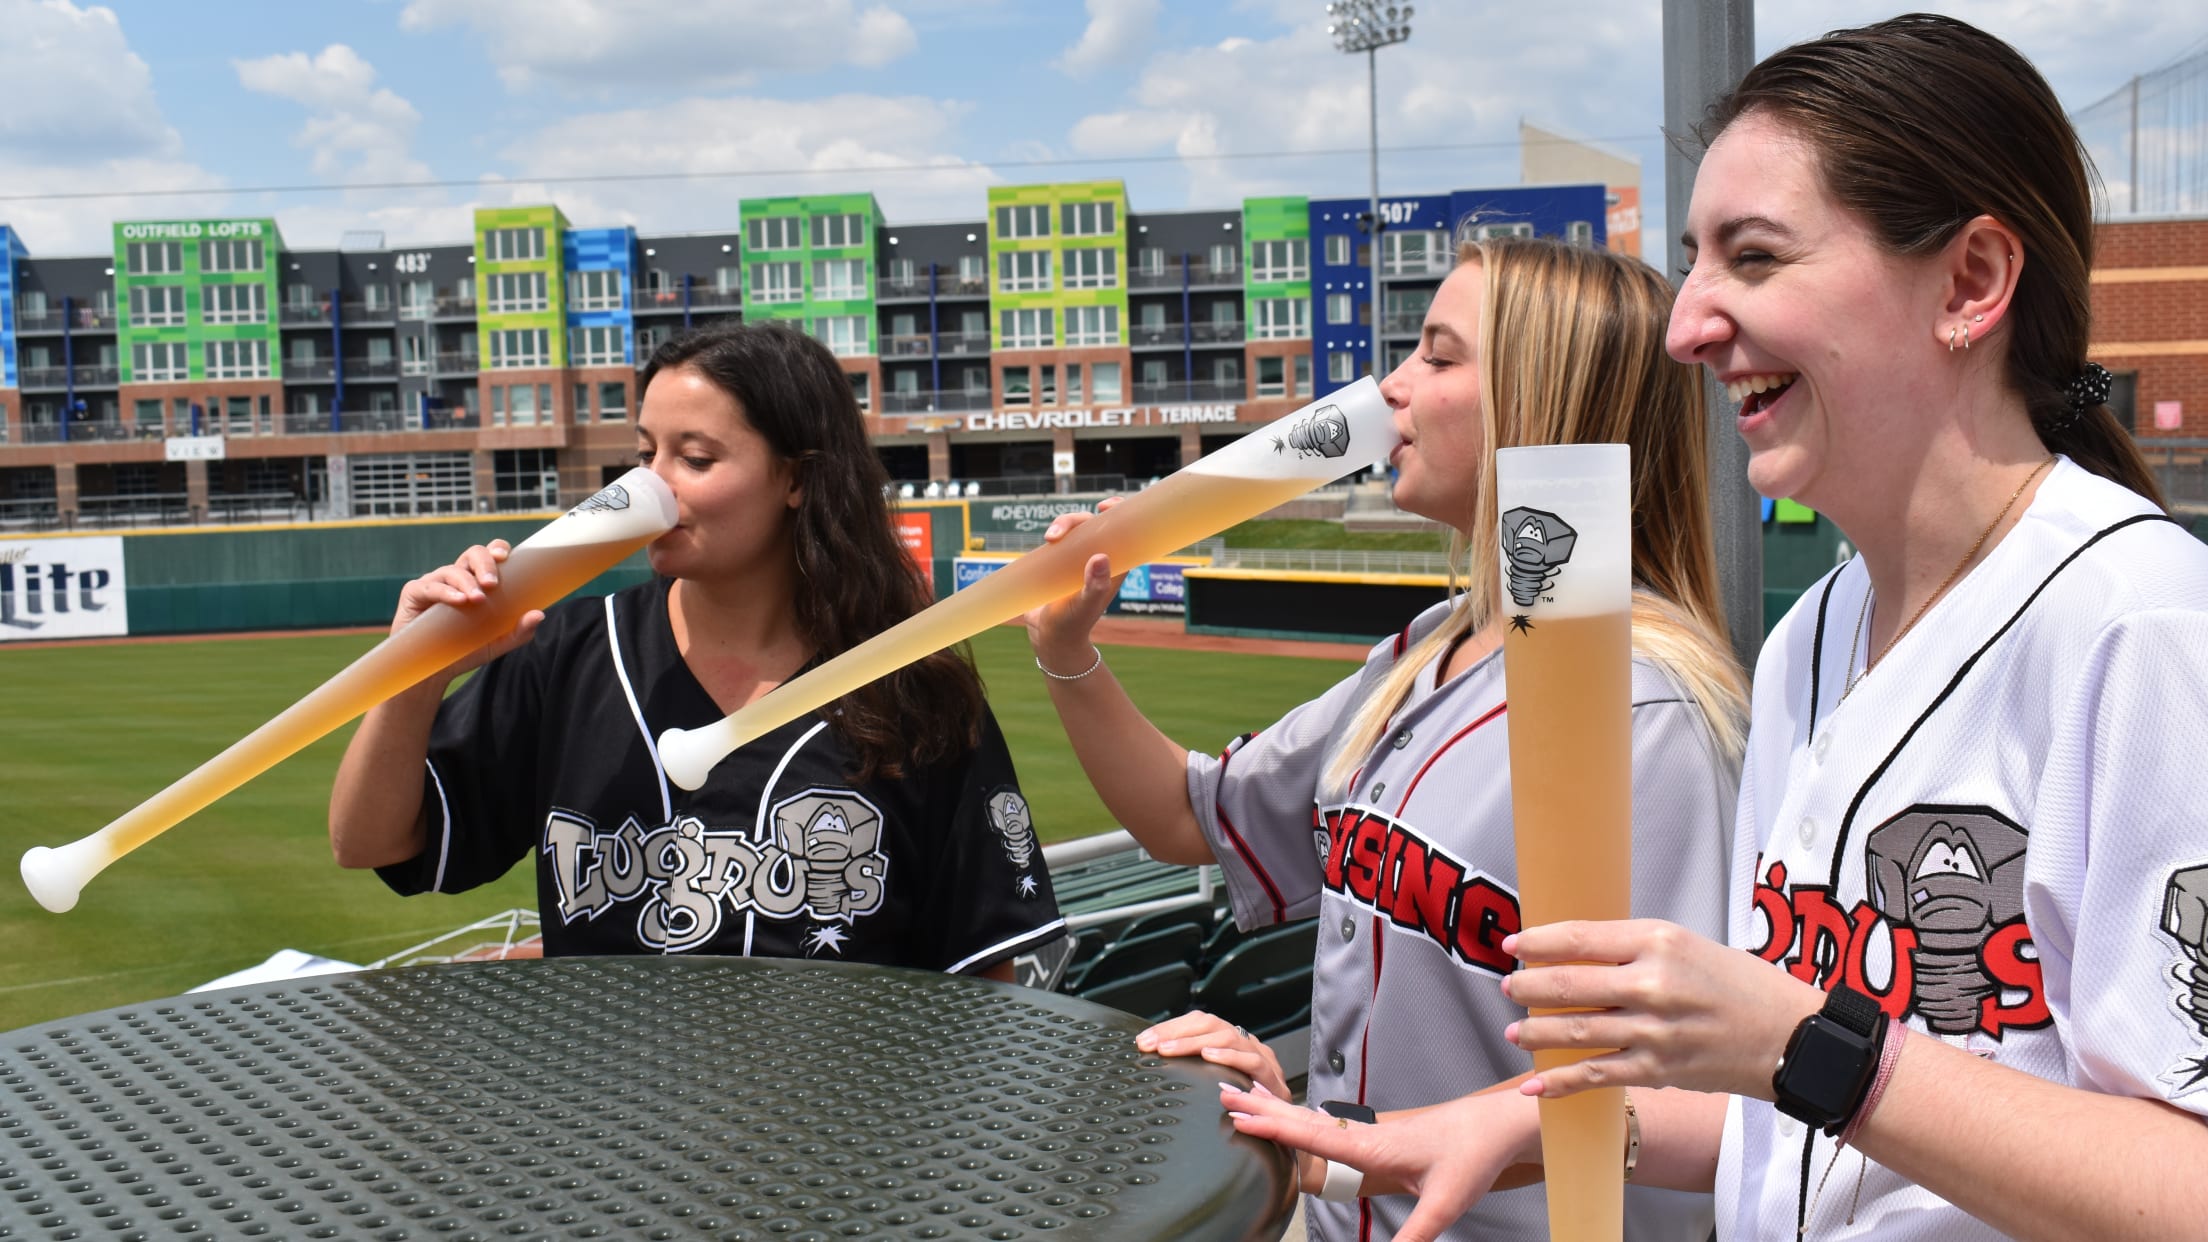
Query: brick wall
{"points": [[2150, 316]]}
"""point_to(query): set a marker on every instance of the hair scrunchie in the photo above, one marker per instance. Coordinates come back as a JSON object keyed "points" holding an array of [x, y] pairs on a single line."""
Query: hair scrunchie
{"points": [[2088, 388]]}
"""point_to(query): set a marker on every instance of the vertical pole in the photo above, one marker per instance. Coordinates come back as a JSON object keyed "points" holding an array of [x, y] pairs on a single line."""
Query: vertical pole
{"points": [[337, 359], [1708, 46], [68, 365], [1372, 81], [2133, 178]]}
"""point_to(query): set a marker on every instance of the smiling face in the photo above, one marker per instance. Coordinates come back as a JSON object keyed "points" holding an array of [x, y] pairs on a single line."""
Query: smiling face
{"points": [[1435, 394], [1824, 337], [733, 494]]}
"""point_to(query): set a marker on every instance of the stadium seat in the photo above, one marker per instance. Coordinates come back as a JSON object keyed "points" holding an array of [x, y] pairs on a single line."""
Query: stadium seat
{"points": [[904, 491], [1263, 983], [1195, 915], [1132, 955], [1153, 995]]}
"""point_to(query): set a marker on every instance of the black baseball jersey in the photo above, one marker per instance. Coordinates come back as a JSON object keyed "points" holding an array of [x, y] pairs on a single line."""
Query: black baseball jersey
{"points": [[550, 752]]}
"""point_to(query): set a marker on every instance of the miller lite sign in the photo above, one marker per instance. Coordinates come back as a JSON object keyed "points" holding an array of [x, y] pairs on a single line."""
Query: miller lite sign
{"points": [[62, 588]]}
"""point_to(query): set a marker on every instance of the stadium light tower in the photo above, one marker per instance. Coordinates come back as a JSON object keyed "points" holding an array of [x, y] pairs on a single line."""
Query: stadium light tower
{"points": [[1367, 26]]}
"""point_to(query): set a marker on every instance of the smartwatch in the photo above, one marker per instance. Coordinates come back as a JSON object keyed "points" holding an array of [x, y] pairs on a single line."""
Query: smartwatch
{"points": [[1830, 1060], [1348, 1111], [1343, 1182]]}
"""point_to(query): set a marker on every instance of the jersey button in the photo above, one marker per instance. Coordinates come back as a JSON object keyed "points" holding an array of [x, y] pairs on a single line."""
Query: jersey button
{"points": [[1822, 746], [1336, 1061], [1402, 738], [1809, 831], [1378, 788], [1349, 927]]}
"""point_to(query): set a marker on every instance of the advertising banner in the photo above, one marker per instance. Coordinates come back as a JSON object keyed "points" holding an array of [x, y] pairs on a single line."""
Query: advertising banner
{"points": [[917, 532], [62, 588], [968, 570], [1152, 589]]}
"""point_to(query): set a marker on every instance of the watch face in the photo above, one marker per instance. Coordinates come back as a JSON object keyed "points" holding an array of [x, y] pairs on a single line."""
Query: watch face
{"points": [[1823, 1073]]}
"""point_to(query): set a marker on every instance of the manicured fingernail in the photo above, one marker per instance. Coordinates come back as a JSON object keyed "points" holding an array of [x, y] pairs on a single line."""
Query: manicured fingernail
{"points": [[1240, 1116], [1506, 985], [1510, 944], [1258, 1088], [1511, 1032], [1532, 1086], [1146, 1041]]}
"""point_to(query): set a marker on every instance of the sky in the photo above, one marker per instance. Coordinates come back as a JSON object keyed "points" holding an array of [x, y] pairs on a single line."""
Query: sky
{"points": [[160, 109]]}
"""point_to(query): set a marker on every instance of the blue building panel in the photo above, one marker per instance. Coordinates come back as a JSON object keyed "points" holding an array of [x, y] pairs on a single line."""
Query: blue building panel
{"points": [[11, 253], [1339, 227], [602, 250]]}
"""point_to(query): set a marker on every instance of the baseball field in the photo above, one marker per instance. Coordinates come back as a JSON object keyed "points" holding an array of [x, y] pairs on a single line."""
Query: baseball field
{"points": [[94, 729]]}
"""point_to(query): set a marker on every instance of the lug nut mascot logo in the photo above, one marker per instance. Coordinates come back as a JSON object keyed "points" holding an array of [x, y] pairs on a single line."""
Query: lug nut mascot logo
{"points": [[1956, 878], [1535, 547], [1322, 433], [611, 499], [2185, 919]]}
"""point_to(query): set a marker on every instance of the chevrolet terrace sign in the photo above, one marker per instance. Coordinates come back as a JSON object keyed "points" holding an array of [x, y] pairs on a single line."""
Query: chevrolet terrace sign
{"points": [[1122, 416]]}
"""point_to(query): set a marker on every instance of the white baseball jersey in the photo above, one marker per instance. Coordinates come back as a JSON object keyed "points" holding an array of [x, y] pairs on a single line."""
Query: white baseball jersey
{"points": [[1414, 878], [1999, 835]]}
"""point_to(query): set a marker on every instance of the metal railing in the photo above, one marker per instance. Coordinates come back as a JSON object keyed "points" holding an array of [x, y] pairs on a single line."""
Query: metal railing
{"points": [[361, 312], [713, 296], [1400, 324], [1191, 390], [457, 364], [962, 343], [2180, 466], [1334, 560], [919, 346], [933, 401], [255, 507], [150, 509], [30, 514], [303, 313], [451, 307], [307, 370], [89, 431], [1217, 331], [378, 422]]}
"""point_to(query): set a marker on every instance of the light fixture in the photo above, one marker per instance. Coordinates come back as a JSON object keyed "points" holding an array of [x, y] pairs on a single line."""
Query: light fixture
{"points": [[969, 237], [892, 241], [725, 247], [650, 253]]}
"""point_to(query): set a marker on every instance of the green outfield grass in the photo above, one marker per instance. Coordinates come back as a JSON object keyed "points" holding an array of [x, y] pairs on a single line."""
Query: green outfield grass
{"points": [[95, 730], [1326, 533]]}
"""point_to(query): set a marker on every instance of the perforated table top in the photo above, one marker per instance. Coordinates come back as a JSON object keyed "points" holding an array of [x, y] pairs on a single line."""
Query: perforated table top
{"points": [[649, 1098]]}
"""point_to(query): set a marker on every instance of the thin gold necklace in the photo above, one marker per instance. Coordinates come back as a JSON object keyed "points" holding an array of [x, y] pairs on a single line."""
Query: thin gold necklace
{"points": [[1855, 643]]}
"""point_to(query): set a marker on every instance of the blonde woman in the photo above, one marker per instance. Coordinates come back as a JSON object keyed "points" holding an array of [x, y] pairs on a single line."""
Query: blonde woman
{"points": [[1384, 806]]}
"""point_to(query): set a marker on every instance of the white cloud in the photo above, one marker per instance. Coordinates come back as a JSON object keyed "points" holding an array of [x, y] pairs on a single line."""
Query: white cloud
{"points": [[595, 46], [355, 130], [844, 143], [77, 94], [1119, 31]]}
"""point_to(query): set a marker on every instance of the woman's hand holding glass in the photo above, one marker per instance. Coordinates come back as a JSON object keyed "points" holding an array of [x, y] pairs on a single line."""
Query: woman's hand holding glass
{"points": [[1059, 631]]}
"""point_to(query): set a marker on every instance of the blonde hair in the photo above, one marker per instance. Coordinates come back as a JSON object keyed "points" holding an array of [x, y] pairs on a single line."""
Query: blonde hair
{"points": [[1571, 349]]}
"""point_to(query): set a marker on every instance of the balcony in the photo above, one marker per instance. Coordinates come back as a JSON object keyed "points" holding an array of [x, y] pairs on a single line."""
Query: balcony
{"points": [[948, 400], [1217, 332], [949, 344], [449, 307], [1200, 275], [659, 302], [1417, 266], [907, 289], [303, 314], [1191, 390], [457, 364], [61, 378], [919, 346], [89, 431], [308, 370], [357, 313], [378, 422], [1398, 324], [371, 368]]}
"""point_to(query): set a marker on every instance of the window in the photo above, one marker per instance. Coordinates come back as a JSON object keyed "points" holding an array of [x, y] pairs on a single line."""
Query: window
{"points": [[862, 388], [1226, 373], [417, 298], [1104, 383], [648, 340], [1279, 319], [1339, 308], [1406, 309], [159, 361], [1153, 373], [1341, 366], [1023, 221], [1049, 393], [234, 303], [1272, 377], [1087, 219], [1073, 383], [513, 245], [413, 354], [1337, 249], [600, 347], [839, 280], [777, 282], [613, 402], [1150, 261], [1226, 259], [844, 335], [728, 279], [1280, 260], [1015, 385], [154, 258], [237, 360], [230, 256], [463, 291], [774, 233], [153, 306], [1092, 325], [513, 348], [237, 415], [508, 293], [1422, 251], [838, 231], [521, 405], [1303, 375], [1092, 269], [1486, 231], [1025, 329], [1020, 271], [1580, 232], [375, 297], [973, 269], [594, 291], [902, 273]]}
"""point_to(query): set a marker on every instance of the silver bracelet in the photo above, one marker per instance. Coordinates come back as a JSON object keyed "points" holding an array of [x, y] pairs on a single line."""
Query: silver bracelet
{"points": [[1074, 676]]}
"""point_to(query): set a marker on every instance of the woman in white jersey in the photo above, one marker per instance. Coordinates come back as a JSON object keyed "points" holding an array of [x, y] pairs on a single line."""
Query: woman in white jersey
{"points": [[1384, 806], [1966, 993]]}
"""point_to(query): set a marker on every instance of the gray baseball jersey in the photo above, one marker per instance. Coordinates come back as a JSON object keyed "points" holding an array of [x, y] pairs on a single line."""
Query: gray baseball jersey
{"points": [[1413, 875], [1998, 835]]}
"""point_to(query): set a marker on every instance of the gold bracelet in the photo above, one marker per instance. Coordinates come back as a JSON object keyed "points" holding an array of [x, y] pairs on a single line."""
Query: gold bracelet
{"points": [[1632, 1135]]}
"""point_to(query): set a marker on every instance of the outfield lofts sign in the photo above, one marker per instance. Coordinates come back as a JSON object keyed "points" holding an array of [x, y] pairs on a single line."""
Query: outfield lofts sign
{"points": [[62, 588]]}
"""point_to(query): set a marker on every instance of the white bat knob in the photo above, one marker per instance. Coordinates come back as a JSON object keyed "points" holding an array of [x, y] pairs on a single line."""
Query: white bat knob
{"points": [[689, 754]]}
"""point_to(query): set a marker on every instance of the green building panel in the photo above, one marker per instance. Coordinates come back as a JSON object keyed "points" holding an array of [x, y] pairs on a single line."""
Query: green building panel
{"points": [[192, 272], [1276, 219], [511, 251], [811, 231], [1075, 216]]}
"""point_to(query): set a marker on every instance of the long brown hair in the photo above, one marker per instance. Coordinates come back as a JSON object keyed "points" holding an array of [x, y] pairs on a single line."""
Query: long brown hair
{"points": [[1571, 348], [1923, 123], [854, 577]]}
